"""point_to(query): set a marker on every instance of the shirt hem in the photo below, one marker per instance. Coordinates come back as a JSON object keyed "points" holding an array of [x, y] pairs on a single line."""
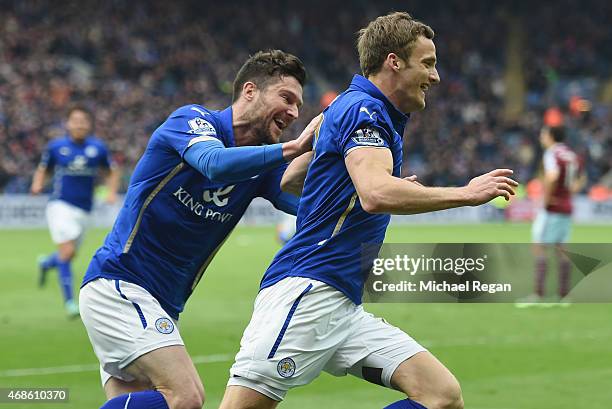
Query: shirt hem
{"points": [[356, 301], [170, 311]]}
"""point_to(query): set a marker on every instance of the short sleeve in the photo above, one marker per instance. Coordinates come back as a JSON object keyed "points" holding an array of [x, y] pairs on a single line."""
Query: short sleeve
{"points": [[363, 126], [186, 126], [550, 162]]}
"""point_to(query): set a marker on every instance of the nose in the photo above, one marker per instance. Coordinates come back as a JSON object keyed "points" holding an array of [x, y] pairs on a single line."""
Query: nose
{"points": [[434, 77], [293, 111]]}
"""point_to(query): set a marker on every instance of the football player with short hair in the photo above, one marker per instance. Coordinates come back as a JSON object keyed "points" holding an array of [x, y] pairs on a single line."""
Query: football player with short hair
{"points": [[308, 315], [199, 173], [74, 160], [562, 178]]}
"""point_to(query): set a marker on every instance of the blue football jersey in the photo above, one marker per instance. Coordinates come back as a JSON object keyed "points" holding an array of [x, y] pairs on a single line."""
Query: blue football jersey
{"points": [[174, 219], [331, 224], [75, 166]]}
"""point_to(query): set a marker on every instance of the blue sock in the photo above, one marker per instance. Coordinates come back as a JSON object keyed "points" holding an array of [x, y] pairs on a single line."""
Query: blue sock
{"points": [[65, 279], [51, 261], [405, 404], [137, 400]]}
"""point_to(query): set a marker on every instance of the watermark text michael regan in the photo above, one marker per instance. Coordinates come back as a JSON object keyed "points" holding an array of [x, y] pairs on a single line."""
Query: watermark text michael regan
{"points": [[442, 286]]}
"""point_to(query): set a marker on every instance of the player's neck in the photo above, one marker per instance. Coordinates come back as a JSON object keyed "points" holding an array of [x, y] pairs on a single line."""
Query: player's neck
{"points": [[245, 138], [551, 145], [242, 124], [386, 85], [244, 135], [79, 141]]}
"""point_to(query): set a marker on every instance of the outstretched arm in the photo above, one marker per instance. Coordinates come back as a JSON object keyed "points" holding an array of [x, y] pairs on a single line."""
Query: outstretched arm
{"points": [[113, 179], [230, 165], [38, 180], [380, 192]]}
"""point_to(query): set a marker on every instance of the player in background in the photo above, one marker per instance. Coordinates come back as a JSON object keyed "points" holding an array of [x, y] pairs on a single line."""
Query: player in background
{"points": [[308, 315], [74, 160], [562, 178], [195, 180]]}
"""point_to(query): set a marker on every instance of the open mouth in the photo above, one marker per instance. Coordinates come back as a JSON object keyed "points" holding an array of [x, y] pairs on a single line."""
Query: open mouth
{"points": [[280, 124]]}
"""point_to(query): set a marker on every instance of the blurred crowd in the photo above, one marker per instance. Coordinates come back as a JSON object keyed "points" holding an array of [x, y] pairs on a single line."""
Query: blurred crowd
{"points": [[134, 62]]}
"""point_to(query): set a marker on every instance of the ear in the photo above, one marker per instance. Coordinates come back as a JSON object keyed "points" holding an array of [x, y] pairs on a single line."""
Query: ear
{"points": [[249, 90], [394, 62]]}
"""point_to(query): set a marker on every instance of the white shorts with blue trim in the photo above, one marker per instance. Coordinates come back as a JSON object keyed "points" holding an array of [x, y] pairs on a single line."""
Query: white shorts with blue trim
{"points": [[124, 321], [301, 327], [66, 222], [551, 228]]}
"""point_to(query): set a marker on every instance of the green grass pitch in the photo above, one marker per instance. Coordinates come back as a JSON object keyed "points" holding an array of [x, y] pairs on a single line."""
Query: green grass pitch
{"points": [[504, 358]]}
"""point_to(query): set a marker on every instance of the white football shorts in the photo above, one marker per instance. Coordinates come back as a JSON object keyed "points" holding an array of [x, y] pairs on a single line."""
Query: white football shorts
{"points": [[66, 222], [301, 327], [551, 228], [124, 321]]}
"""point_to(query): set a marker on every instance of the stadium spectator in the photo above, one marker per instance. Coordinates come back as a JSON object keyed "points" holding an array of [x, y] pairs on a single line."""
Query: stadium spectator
{"points": [[132, 63]]}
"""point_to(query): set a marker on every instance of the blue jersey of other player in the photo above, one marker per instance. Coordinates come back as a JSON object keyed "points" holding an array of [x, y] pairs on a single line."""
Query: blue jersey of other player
{"points": [[331, 225], [75, 165], [174, 218]]}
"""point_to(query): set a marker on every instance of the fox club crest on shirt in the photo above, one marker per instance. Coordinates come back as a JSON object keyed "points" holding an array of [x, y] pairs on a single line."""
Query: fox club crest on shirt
{"points": [[91, 151], [286, 367], [200, 126], [78, 163], [164, 325], [368, 137]]}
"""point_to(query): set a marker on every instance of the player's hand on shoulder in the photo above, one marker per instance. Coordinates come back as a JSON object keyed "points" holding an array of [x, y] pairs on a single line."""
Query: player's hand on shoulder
{"points": [[303, 143], [306, 137], [485, 187]]}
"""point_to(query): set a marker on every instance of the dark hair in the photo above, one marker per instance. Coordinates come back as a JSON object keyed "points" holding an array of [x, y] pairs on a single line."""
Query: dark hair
{"points": [[557, 133], [80, 108], [267, 65], [394, 33]]}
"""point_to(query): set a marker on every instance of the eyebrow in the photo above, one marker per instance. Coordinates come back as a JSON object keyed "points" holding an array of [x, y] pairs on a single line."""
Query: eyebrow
{"points": [[293, 95]]}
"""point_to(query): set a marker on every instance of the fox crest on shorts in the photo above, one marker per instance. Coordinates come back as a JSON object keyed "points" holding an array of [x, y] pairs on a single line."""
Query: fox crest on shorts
{"points": [[286, 367], [164, 325]]}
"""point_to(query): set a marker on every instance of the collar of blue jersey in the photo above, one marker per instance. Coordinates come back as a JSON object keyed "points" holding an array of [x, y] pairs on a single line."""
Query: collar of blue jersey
{"points": [[399, 119], [225, 120]]}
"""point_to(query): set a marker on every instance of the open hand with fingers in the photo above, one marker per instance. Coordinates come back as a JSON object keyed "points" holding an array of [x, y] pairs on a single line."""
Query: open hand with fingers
{"points": [[485, 187], [304, 142]]}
